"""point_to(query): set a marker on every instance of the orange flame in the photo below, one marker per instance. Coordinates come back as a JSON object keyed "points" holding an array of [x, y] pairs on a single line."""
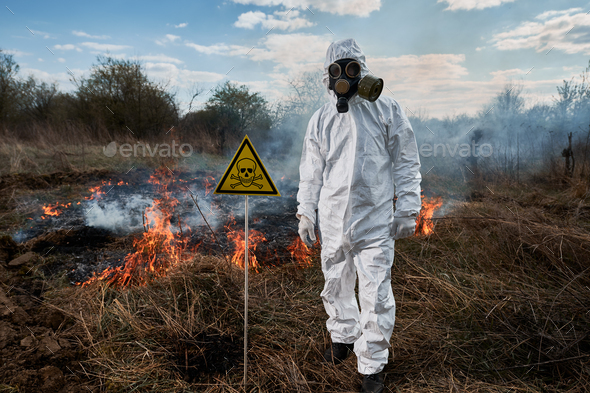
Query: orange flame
{"points": [[209, 184], [424, 224], [236, 237], [300, 253], [52, 210], [96, 193]]}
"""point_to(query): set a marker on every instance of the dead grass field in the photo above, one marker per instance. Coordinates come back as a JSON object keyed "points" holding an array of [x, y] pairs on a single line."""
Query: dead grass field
{"points": [[497, 299]]}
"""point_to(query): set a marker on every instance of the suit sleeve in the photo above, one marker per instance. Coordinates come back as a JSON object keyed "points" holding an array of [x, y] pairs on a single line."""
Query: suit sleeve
{"points": [[406, 164], [311, 171]]}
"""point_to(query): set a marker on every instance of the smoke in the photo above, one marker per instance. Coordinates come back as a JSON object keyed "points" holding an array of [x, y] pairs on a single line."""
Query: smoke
{"points": [[293, 114], [121, 215], [511, 137], [508, 137]]}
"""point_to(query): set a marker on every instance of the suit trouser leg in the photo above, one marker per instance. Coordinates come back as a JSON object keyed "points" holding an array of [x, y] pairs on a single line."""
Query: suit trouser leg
{"points": [[339, 297], [373, 264]]}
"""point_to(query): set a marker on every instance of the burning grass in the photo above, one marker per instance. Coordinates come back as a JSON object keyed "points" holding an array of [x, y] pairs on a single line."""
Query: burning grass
{"points": [[159, 248], [495, 300]]}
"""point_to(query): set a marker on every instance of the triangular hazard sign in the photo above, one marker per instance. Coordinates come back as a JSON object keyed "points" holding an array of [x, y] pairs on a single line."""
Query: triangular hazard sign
{"points": [[246, 175]]}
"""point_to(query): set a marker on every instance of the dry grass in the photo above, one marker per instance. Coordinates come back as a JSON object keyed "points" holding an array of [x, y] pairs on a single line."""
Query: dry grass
{"points": [[498, 301], [47, 158], [40, 148]]}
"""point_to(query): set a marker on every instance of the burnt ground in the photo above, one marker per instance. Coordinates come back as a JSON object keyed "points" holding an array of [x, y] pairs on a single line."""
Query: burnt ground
{"points": [[39, 347]]}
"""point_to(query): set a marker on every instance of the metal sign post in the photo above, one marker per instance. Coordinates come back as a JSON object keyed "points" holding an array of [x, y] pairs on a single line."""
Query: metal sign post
{"points": [[246, 293], [246, 175]]}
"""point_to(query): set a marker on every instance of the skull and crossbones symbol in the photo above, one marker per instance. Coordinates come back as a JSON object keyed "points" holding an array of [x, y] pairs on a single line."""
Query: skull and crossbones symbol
{"points": [[246, 174]]}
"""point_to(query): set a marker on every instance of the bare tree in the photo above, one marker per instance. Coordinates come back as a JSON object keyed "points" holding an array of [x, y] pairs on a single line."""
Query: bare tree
{"points": [[8, 85]]}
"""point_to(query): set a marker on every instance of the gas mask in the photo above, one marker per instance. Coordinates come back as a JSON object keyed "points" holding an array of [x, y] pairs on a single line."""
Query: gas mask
{"points": [[345, 80]]}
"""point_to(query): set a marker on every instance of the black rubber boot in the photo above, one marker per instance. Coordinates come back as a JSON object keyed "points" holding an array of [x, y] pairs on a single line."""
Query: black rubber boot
{"points": [[373, 383], [338, 352]]}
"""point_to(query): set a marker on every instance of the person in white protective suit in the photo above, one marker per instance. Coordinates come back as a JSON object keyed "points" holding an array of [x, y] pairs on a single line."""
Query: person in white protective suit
{"points": [[354, 151]]}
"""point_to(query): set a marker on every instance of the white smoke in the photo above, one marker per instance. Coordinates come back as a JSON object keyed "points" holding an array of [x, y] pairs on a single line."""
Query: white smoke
{"points": [[120, 215], [124, 215]]}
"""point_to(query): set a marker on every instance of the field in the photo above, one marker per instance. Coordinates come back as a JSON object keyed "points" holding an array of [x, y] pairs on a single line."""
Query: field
{"points": [[494, 298]]}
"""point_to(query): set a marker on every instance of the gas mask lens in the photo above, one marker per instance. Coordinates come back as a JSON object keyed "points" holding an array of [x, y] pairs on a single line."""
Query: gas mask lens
{"points": [[334, 70], [353, 69]]}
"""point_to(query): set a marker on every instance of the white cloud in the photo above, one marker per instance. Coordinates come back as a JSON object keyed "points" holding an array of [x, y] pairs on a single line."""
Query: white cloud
{"points": [[438, 83], [216, 49], [287, 50], [67, 47], [16, 52], [168, 38], [547, 14], [268, 89], [250, 19], [63, 78], [455, 5], [419, 70], [179, 77], [290, 49], [181, 25], [104, 47], [40, 60], [340, 7], [508, 73], [43, 34], [61, 60], [479, 48], [567, 30], [96, 37], [120, 56], [292, 55], [159, 58], [282, 20]]}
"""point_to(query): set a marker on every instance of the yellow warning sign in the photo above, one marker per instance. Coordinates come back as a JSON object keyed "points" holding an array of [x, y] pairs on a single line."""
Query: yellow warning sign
{"points": [[246, 174]]}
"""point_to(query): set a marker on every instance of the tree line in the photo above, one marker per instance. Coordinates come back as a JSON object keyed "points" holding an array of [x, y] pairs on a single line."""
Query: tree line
{"points": [[118, 99]]}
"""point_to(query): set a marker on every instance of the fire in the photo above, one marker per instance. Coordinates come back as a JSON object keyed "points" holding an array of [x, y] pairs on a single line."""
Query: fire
{"points": [[96, 193], [300, 253], [164, 242], [236, 237], [53, 211], [159, 248], [424, 224], [209, 184]]}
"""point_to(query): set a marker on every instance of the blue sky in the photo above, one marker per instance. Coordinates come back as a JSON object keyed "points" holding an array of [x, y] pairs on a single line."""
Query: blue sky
{"points": [[443, 57]]}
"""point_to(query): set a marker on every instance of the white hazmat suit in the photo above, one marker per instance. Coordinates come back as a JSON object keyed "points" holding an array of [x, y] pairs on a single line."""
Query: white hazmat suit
{"points": [[349, 165]]}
